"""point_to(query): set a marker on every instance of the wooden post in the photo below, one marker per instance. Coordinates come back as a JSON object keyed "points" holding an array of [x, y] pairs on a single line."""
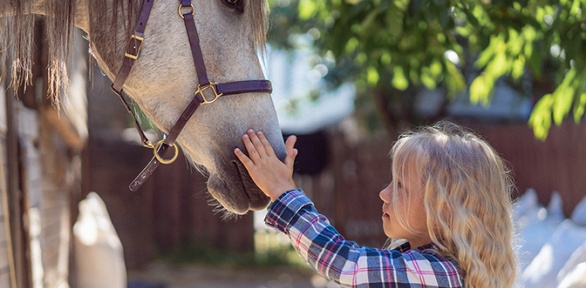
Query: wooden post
{"points": [[14, 192]]}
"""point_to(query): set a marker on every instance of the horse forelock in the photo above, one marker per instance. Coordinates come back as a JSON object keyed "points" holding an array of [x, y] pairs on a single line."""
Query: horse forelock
{"points": [[259, 11]]}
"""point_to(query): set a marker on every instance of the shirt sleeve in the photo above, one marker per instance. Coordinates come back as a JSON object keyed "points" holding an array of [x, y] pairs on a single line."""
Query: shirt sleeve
{"points": [[347, 263]]}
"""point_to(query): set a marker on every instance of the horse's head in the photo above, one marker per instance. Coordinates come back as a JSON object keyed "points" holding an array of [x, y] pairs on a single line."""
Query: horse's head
{"points": [[163, 81]]}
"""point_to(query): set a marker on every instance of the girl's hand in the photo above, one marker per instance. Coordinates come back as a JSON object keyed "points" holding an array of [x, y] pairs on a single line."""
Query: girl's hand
{"points": [[271, 175]]}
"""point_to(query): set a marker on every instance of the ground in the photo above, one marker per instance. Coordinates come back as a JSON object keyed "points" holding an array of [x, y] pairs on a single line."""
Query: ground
{"points": [[163, 275]]}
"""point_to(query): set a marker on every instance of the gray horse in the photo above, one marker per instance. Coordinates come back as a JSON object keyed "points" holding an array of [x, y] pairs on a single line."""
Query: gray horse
{"points": [[163, 80]]}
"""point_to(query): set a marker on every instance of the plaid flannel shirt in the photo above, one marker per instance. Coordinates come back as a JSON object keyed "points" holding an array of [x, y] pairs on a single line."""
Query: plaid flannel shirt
{"points": [[328, 253]]}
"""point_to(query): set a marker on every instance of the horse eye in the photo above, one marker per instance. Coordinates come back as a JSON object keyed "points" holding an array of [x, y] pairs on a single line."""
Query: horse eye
{"points": [[235, 4]]}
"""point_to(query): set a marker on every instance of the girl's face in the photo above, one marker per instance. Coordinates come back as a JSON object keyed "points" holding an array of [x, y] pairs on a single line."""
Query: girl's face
{"points": [[410, 204]]}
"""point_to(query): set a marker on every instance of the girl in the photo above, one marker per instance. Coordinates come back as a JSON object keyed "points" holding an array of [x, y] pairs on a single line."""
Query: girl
{"points": [[448, 202]]}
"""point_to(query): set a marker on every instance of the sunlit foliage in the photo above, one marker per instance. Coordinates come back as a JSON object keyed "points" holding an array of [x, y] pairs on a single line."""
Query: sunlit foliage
{"points": [[395, 47]]}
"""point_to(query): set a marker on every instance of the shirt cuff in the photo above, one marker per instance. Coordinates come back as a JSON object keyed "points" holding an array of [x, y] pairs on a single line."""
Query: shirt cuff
{"points": [[283, 212]]}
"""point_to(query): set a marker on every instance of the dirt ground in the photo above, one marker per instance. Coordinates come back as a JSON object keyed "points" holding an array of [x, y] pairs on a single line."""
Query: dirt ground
{"points": [[162, 275]]}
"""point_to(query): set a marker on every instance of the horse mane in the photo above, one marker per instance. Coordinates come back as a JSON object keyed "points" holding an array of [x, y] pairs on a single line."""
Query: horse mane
{"points": [[259, 10], [17, 39], [17, 35], [17, 42]]}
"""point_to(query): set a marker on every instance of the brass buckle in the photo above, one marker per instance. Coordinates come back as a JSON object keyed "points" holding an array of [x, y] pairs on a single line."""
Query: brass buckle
{"points": [[181, 14], [148, 144], [136, 42], [161, 159], [203, 99]]}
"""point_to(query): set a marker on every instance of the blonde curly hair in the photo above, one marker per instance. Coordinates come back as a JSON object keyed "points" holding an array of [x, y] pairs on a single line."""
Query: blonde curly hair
{"points": [[467, 198]]}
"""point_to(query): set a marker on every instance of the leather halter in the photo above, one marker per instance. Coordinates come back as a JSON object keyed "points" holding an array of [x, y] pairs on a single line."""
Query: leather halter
{"points": [[213, 90]]}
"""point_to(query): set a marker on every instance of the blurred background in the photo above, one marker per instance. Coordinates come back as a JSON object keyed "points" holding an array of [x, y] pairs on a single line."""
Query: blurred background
{"points": [[348, 77]]}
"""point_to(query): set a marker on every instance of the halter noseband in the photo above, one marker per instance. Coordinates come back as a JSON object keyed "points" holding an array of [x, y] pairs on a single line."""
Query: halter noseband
{"points": [[213, 90]]}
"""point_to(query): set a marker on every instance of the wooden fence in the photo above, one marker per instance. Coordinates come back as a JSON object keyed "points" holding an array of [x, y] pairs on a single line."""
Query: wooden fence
{"points": [[557, 164]]}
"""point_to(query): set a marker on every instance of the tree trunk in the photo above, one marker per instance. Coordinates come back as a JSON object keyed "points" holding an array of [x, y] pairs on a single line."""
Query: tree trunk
{"points": [[388, 120]]}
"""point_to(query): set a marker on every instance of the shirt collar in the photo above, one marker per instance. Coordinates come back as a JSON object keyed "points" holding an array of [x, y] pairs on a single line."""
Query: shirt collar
{"points": [[406, 247]]}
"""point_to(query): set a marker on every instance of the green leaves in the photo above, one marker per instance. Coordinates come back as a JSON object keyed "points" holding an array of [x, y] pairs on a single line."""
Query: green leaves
{"points": [[481, 89], [307, 9], [540, 119], [557, 106], [505, 56], [536, 46], [399, 81]]}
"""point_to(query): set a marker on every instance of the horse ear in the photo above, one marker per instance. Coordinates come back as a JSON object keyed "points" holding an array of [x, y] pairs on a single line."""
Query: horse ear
{"points": [[313, 152]]}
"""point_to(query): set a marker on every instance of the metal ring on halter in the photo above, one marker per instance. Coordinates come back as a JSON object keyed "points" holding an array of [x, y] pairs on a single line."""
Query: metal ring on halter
{"points": [[161, 159], [201, 89], [181, 6]]}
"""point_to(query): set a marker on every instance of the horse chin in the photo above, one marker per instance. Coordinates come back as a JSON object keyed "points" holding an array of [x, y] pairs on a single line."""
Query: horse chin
{"points": [[237, 198]]}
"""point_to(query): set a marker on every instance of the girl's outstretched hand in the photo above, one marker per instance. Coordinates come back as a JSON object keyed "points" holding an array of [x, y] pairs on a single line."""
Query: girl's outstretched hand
{"points": [[271, 175]]}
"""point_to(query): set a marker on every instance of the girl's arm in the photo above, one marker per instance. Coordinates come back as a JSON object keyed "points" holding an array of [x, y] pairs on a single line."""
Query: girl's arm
{"points": [[328, 253]]}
